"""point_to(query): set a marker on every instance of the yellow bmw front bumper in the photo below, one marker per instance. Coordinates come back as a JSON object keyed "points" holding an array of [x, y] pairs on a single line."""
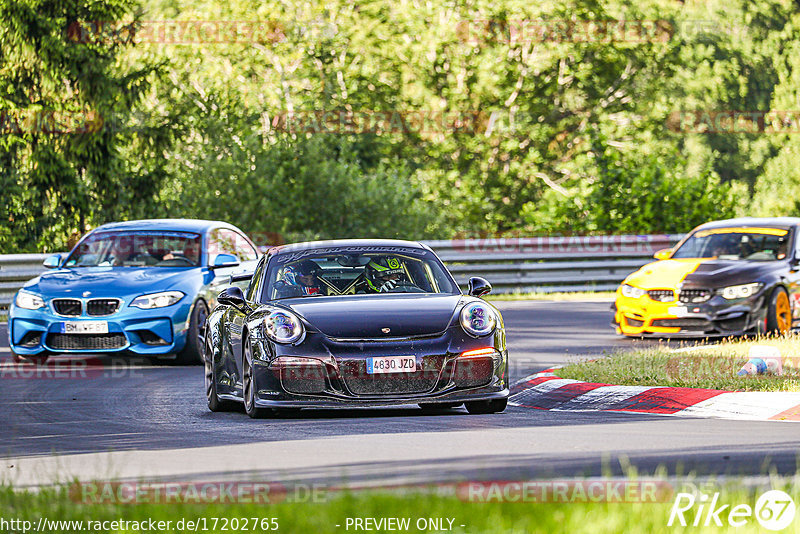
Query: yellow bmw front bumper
{"points": [[635, 316]]}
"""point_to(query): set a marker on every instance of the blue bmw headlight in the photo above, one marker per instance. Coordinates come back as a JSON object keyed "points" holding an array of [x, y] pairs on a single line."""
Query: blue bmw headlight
{"points": [[157, 300], [29, 301], [478, 319]]}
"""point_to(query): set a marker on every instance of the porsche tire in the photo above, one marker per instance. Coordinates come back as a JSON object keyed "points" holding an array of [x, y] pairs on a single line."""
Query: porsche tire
{"points": [[248, 386], [487, 406], [192, 353], [779, 312], [215, 404]]}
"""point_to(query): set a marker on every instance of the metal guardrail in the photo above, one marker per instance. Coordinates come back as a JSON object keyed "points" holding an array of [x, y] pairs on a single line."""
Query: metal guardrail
{"points": [[550, 264], [15, 270], [516, 264]]}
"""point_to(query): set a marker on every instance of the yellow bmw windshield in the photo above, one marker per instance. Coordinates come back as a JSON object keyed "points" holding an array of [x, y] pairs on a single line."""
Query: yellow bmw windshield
{"points": [[736, 243]]}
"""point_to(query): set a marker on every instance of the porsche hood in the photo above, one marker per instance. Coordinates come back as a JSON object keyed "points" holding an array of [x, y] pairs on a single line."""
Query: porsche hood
{"points": [[369, 316]]}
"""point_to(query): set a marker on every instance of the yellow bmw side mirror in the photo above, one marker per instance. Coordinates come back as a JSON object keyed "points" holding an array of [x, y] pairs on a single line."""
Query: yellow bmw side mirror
{"points": [[663, 254]]}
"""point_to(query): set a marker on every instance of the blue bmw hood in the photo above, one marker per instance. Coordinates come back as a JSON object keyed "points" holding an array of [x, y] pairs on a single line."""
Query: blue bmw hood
{"points": [[108, 281]]}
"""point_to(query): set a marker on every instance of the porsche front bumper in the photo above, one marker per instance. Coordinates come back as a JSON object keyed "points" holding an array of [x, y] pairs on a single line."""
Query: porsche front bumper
{"points": [[327, 373]]}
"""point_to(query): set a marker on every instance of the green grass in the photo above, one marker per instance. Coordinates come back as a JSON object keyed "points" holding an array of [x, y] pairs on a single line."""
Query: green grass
{"points": [[578, 295], [322, 517], [712, 366]]}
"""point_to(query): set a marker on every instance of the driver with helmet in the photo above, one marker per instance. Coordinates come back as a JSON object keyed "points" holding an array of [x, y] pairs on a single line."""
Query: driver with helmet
{"points": [[725, 245], [384, 274], [303, 275]]}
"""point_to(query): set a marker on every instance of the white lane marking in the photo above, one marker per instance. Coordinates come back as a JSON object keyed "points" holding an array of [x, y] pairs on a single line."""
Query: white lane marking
{"points": [[753, 405]]}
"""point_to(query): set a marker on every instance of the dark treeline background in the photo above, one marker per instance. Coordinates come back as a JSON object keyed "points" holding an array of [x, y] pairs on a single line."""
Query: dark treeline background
{"points": [[565, 134]]}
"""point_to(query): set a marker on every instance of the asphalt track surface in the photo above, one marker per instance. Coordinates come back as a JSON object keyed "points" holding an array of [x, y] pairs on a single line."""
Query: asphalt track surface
{"points": [[155, 420]]}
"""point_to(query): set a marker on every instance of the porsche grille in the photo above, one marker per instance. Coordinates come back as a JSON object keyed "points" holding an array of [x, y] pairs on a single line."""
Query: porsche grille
{"points": [[354, 373]]}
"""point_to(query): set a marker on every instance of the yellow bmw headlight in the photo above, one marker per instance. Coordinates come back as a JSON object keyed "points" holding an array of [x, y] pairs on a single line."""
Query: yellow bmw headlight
{"points": [[632, 292], [740, 292]]}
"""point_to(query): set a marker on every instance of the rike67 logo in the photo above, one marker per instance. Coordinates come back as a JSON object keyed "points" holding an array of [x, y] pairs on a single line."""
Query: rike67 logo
{"points": [[774, 510]]}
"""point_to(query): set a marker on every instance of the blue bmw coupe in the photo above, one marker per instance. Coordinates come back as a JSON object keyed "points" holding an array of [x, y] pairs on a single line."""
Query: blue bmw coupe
{"points": [[137, 287]]}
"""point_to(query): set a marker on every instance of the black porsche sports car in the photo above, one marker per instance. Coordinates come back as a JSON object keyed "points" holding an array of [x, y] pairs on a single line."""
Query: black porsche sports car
{"points": [[355, 323], [724, 278]]}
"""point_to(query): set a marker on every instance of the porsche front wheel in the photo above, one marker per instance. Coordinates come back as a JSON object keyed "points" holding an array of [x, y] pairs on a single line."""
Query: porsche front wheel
{"points": [[248, 385], [779, 312], [214, 402]]}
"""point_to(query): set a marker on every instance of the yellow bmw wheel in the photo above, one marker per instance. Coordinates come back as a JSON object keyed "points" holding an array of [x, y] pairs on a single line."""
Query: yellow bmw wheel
{"points": [[779, 312]]}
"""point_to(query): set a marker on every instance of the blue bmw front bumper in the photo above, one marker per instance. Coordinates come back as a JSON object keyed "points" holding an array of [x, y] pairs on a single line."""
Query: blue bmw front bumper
{"points": [[147, 332]]}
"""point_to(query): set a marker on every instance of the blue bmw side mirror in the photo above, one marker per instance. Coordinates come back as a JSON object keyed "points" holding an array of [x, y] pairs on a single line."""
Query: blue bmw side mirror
{"points": [[52, 262], [224, 260]]}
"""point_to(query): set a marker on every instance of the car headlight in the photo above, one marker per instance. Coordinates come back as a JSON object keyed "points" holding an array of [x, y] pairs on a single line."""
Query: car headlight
{"points": [[283, 327], [478, 319], [632, 292], [740, 292], [29, 301], [157, 300]]}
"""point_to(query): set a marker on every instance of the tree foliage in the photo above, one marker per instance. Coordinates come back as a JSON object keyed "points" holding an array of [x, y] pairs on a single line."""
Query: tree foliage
{"points": [[565, 132]]}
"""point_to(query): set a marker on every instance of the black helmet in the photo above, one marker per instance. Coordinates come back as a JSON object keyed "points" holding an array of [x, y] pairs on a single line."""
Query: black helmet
{"points": [[301, 268], [306, 267]]}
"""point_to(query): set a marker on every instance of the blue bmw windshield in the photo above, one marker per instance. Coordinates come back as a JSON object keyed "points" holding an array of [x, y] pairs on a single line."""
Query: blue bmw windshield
{"points": [[137, 249]]}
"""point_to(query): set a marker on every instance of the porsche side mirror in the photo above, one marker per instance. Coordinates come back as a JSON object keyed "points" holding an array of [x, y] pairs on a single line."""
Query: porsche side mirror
{"points": [[52, 262], [232, 296], [663, 254], [479, 286], [224, 260]]}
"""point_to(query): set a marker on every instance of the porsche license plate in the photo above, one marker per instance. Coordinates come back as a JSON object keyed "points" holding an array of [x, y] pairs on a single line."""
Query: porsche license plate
{"points": [[391, 364], [84, 327]]}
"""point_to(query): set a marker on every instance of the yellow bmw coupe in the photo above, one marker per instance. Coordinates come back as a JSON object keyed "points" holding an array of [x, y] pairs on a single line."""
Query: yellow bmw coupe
{"points": [[723, 278]]}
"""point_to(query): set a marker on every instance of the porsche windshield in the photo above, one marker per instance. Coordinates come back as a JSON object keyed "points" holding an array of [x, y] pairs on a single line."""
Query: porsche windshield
{"points": [[753, 244], [338, 273], [137, 249]]}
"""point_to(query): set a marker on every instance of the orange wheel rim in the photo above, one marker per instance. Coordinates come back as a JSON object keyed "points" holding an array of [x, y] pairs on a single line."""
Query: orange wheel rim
{"points": [[783, 313]]}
